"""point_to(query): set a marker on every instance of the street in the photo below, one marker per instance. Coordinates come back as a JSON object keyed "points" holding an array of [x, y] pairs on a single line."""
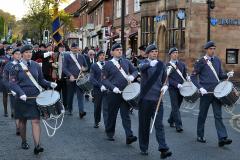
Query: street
{"points": [[78, 140]]}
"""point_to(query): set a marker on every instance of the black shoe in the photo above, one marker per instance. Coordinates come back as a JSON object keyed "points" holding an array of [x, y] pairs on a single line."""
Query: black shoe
{"points": [[165, 154], [12, 115], [223, 142], [5, 115], [109, 138], [96, 125], [179, 130], [25, 145], [131, 139], [82, 114], [38, 149], [171, 124], [17, 132], [144, 153], [201, 139]]}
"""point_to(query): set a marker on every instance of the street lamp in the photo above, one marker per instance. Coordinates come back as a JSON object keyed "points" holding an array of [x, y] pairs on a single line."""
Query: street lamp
{"points": [[211, 5]]}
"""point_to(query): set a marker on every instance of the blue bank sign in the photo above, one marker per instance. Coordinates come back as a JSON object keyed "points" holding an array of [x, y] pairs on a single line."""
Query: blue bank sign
{"points": [[225, 21], [161, 18]]}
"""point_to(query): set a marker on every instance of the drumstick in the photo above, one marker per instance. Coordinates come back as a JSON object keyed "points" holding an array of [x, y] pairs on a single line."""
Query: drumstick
{"points": [[229, 76], [34, 97]]}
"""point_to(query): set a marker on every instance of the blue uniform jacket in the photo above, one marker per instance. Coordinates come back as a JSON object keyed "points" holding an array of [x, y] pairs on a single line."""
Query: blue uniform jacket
{"points": [[112, 77], [70, 67], [95, 76], [203, 77], [20, 82], [146, 73], [174, 78]]}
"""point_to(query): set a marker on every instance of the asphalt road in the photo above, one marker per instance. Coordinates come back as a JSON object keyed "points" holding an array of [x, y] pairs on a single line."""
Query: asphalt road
{"points": [[78, 140]]}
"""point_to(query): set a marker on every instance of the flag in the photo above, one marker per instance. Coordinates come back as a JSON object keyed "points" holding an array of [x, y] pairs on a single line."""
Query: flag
{"points": [[57, 37]]}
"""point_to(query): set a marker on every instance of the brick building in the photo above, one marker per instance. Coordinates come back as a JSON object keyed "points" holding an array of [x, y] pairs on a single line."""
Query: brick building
{"points": [[183, 23]]}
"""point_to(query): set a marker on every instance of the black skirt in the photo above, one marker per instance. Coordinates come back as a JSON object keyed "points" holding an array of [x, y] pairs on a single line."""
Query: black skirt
{"points": [[26, 110]]}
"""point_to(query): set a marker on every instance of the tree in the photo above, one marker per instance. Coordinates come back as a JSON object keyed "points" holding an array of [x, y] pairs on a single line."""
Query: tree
{"points": [[39, 18]]}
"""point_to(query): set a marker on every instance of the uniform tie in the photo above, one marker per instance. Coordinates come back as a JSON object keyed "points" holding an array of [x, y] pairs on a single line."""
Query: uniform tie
{"points": [[102, 63], [28, 63]]}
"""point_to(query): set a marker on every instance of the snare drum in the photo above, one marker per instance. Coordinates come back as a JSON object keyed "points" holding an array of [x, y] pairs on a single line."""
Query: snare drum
{"points": [[189, 91], [84, 83], [49, 103], [131, 94], [226, 93]]}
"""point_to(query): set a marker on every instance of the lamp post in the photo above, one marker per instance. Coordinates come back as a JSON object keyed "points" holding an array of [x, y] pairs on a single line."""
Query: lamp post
{"points": [[211, 5], [123, 26]]}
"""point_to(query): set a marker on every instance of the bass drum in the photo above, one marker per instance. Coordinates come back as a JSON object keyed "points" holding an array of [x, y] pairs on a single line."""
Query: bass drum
{"points": [[131, 94], [226, 93], [190, 92]]}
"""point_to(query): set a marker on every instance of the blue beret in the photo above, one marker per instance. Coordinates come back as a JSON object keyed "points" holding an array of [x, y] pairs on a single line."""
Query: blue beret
{"points": [[116, 45], [150, 48], [73, 45], [26, 48], [9, 47], [171, 50], [100, 52], [16, 50], [209, 44]]}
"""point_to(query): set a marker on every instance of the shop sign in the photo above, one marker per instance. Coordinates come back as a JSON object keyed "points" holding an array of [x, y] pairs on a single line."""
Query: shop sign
{"points": [[161, 18], [198, 1], [225, 22]]}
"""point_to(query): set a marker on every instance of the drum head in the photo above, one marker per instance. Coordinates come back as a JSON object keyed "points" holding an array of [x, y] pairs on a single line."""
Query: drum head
{"points": [[188, 89], [223, 89], [131, 91], [47, 98]]}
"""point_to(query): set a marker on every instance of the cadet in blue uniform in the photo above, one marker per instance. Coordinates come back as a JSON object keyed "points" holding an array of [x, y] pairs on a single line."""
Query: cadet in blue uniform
{"points": [[153, 74], [175, 83], [71, 70], [3, 61], [98, 88], [114, 80], [24, 87], [16, 56], [205, 80]]}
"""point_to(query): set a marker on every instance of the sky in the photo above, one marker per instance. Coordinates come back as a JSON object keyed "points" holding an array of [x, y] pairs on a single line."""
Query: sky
{"points": [[19, 8]]}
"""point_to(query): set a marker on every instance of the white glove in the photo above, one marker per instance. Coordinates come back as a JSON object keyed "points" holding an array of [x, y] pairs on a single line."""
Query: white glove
{"points": [[169, 70], [47, 54], [153, 63], [188, 78], [13, 93], [130, 78], [164, 89], [53, 84], [103, 88], [179, 86], [203, 91], [116, 90], [230, 74], [23, 97]]}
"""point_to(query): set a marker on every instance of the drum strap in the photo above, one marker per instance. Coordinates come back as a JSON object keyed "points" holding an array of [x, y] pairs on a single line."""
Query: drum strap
{"points": [[151, 80], [212, 68], [25, 68], [178, 71], [120, 68], [75, 61]]}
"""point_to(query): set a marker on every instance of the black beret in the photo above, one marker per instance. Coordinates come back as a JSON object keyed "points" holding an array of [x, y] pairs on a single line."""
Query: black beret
{"points": [[42, 45], [26, 48], [16, 50], [73, 45], [100, 52], [209, 44], [115, 46], [142, 47], [9, 47], [171, 50], [150, 48]]}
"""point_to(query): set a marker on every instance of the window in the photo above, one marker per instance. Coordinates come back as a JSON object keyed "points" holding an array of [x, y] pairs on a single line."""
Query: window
{"points": [[176, 31], [147, 30], [118, 11], [232, 56], [136, 5]]}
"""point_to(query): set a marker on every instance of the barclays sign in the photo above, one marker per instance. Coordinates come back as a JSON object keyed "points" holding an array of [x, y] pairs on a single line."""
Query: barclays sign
{"points": [[224, 21]]}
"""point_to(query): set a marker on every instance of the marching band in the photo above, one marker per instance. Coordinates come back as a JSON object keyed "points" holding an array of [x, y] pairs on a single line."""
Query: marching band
{"points": [[25, 73]]}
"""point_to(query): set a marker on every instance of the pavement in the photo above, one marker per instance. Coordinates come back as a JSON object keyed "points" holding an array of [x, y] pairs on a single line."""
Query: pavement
{"points": [[78, 140]]}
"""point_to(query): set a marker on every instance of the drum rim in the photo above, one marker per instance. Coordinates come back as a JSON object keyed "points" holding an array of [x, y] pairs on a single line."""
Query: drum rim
{"points": [[227, 92], [189, 82], [134, 83]]}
